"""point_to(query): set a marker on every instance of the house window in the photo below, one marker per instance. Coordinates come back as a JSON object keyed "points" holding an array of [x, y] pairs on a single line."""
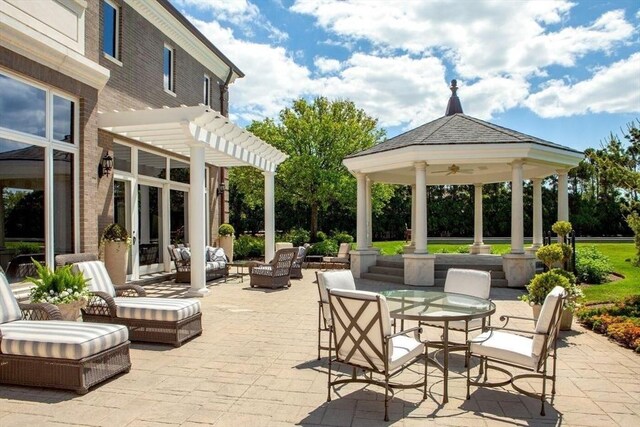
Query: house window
{"points": [[38, 174], [168, 59], [110, 30], [206, 89]]}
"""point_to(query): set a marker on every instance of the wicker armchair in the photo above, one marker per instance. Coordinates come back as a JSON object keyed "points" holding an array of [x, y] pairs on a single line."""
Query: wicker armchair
{"points": [[39, 349], [157, 320], [296, 267], [275, 274]]}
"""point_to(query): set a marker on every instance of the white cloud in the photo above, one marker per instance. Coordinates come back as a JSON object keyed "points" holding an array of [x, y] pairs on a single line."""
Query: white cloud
{"points": [[327, 65], [612, 89]]}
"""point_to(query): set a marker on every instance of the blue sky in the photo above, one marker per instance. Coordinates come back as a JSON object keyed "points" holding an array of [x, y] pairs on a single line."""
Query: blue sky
{"points": [[568, 72]]}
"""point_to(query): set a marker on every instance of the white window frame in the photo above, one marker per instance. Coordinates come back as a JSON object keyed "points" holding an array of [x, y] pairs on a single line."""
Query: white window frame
{"points": [[206, 99], [170, 87], [49, 146], [116, 30]]}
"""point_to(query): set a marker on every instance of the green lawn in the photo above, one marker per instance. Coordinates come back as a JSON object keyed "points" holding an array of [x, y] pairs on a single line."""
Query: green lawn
{"points": [[617, 253]]}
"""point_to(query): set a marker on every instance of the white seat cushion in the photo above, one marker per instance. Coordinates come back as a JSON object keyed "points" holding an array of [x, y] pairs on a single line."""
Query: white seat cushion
{"points": [[262, 270], [166, 309], [216, 265], [9, 308], [505, 346], [60, 339], [404, 349], [476, 283], [98, 276]]}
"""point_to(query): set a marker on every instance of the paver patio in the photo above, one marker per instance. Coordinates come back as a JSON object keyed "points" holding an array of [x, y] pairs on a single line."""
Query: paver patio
{"points": [[256, 365]]}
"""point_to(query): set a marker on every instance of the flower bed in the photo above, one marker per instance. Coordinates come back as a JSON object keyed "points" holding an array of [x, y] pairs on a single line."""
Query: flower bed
{"points": [[620, 322]]}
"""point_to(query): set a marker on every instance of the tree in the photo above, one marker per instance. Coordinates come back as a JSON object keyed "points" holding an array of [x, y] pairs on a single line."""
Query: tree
{"points": [[317, 136]]}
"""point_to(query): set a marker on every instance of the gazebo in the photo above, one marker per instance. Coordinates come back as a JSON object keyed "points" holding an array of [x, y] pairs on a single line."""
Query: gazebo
{"points": [[458, 149]]}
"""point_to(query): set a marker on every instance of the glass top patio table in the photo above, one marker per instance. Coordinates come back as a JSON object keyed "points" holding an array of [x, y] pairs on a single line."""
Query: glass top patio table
{"points": [[441, 307]]}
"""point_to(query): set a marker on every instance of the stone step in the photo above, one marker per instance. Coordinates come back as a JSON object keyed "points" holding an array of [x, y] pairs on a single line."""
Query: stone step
{"points": [[390, 264], [495, 283], [389, 271], [484, 267], [383, 278], [442, 274]]}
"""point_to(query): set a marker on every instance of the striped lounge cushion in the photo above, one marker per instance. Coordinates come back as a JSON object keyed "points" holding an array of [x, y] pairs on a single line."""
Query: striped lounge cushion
{"points": [[165, 309], [60, 339], [9, 308], [263, 270], [98, 275]]}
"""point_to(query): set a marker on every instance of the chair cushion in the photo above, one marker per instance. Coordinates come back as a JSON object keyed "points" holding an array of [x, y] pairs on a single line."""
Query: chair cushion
{"points": [[98, 276], [165, 309], [60, 339], [215, 265], [476, 283], [543, 325], [9, 308], [262, 270], [505, 346], [404, 349], [216, 255], [336, 279], [185, 254]]}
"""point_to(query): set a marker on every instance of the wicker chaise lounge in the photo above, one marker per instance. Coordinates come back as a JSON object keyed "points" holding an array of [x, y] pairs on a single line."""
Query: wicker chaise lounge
{"points": [[156, 320], [39, 349], [277, 273]]}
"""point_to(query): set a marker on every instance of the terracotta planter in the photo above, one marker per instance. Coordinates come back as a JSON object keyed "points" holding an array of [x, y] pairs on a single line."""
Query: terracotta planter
{"points": [[226, 243], [565, 322], [116, 257], [71, 311]]}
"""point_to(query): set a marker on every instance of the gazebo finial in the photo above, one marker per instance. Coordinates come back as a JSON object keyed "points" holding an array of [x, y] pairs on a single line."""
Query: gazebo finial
{"points": [[454, 106]]}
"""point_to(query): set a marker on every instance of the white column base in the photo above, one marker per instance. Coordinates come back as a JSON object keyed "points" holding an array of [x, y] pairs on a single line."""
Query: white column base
{"points": [[362, 259], [198, 293], [419, 269], [479, 249], [531, 250], [409, 249], [519, 269]]}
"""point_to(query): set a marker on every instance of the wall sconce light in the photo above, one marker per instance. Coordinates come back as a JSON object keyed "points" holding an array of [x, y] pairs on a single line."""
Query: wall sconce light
{"points": [[105, 166], [221, 188]]}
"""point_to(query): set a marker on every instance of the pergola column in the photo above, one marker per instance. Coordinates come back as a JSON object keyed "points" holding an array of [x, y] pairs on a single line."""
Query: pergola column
{"points": [[413, 216], [361, 230], [145, 227], [197, 226], [537, 213], [269, 216], [478, 246], [517, 215], [563, 195], [369, 214], [421, 208]]}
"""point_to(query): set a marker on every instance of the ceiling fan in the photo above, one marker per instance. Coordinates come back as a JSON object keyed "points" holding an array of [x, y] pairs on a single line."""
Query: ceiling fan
{"points": [[454, 169]]}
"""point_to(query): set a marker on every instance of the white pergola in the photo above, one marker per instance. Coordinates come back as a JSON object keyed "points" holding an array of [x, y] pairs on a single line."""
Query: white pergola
{"points": [[204, 136], [460, 150]]}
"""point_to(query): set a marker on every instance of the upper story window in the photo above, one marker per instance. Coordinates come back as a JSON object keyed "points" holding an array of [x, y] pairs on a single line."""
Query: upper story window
{"points": [[207, 90], [110, 30], [168, 59]]}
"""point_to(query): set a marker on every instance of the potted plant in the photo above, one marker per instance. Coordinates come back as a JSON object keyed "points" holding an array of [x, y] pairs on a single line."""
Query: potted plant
{"points": [[115, 242], [540, 286], [62, 287], [225, 237]]}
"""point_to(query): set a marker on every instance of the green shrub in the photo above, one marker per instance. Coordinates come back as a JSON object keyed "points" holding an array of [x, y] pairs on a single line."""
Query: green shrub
{"points": [[115, 233], [461, 250], [342, 237], [247, 246], [25, 248], [562, 228], [569, 275], [540, 286], [298, 236], [61, 286], [633, 220], [326, 247], [592, 266], [620, 322], [550, 254], [399, 250], [226, 230], [567, 251], [321, 236]]}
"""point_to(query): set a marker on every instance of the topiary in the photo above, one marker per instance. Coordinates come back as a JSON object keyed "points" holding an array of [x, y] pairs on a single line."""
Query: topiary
{"points": [[226, 230], [550, 254], [115, 233], [540, 286], [562, 228]]}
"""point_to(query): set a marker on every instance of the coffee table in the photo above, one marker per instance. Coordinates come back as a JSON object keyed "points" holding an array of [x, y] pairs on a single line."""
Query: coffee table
{"points": [[240, 266]]}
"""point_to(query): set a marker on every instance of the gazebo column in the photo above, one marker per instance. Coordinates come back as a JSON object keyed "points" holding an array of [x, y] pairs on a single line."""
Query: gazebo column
{"points": [[537, 215], [518, 266], [478, 246], [410, 248], [269, 216], [563, 196], [197, 226], [363, 257], [369, 214], [419, 267]]}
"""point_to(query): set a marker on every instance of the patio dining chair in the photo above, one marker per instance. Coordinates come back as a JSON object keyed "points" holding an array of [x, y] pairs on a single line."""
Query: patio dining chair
{"points": [[362, 335], [327, 280], [508, 346], [157, 320], [343, 256], [275, 274], [39, 349]]}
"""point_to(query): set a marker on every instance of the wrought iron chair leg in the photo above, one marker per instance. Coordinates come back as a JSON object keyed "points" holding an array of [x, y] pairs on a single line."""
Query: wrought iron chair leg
{"points": [[466, 339], [486, 368], [329, 374], [426, 364], [467, 363], [553, 379], [544, 387], [386, 396]]}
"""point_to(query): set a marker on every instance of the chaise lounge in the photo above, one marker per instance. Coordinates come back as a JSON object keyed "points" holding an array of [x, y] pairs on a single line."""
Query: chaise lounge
{"points": [[39, 349], [157, 320]]}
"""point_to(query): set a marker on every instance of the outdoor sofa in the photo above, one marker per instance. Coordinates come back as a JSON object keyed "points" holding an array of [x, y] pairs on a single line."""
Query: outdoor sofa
{"points": [[157, 320], [216, 262], [39, 349]]}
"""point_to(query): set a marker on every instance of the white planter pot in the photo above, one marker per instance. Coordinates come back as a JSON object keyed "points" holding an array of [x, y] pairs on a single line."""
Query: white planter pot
{"points": [[226, 243], [116, 257], [71, 311]]}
